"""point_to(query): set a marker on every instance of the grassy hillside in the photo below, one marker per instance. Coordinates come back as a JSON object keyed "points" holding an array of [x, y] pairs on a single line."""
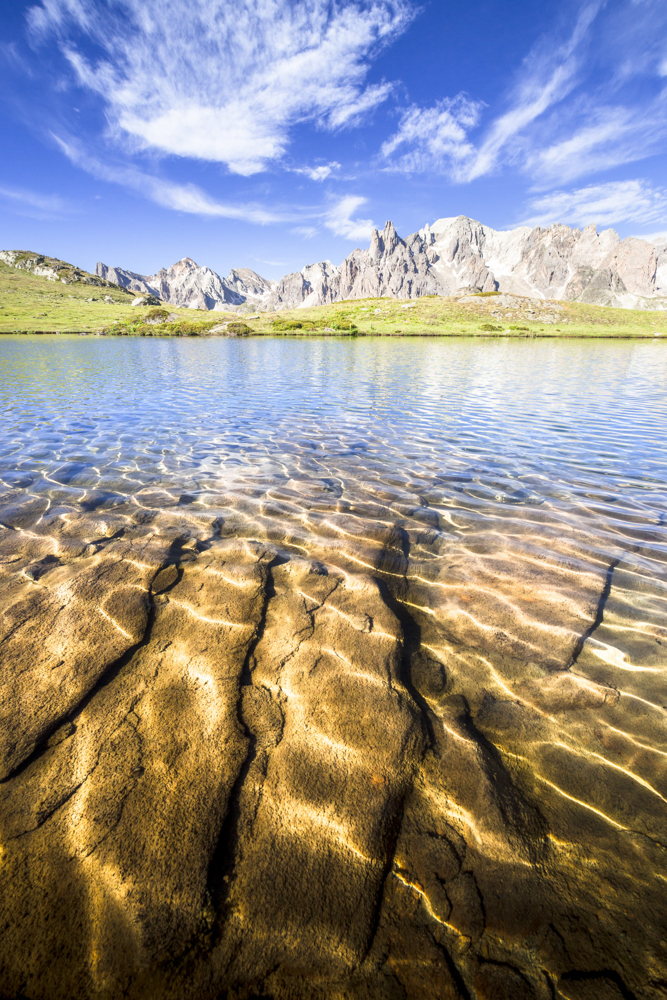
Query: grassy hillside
{"points": [[31, 304], [478, 315]]}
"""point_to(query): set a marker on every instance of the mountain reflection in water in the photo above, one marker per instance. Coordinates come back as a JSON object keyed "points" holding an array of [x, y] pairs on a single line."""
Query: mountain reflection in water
{"points": [[333, 668]]}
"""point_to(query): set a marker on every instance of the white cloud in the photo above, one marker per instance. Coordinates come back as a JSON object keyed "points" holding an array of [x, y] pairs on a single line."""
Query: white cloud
{"points": [[339, 219], [191, 199], [609, 137], [433, 138], [548, 76], [49, 203], [353, 111], [584, 151], [438, 138], [179, 197], [564, 116], [318, 173], [225, 81], [658, 239], [605, 204]]}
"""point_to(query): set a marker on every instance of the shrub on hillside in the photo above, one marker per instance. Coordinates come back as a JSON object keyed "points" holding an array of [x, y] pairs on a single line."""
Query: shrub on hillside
{"points": [[286, 324], [155, 316]]}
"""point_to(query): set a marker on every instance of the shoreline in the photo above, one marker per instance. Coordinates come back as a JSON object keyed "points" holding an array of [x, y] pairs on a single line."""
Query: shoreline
{"points": [[342, 334]]}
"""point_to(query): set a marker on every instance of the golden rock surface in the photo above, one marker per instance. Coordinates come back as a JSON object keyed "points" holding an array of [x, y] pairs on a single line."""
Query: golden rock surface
{"points": [[327, 757]]}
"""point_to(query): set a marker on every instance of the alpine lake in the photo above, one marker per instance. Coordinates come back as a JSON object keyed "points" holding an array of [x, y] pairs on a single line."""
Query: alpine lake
{"points": [[333, 669]]}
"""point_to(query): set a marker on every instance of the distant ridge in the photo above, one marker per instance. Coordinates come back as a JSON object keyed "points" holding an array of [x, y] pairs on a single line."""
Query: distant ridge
{"points": [[54, 269], [450, 256], [187, 284]]}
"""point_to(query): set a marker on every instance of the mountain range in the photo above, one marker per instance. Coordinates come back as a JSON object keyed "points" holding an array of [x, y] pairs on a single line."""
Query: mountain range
{"points": [[451, 256]]}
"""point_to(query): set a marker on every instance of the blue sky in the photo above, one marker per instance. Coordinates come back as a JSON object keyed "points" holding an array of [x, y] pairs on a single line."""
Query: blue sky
{"points": [[274, 133]]}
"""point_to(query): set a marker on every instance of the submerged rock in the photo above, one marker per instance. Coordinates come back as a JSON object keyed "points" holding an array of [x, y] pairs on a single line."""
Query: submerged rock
{"points": [[395, 766]]}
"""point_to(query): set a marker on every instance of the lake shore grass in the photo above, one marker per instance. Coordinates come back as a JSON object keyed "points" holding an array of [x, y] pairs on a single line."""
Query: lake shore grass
{"points": [[31, 304]]}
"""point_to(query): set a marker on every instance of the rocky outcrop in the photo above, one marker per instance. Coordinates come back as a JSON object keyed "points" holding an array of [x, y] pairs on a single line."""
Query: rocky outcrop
{"points": [[188, 285], [391, 266], [146, 300], [54, 269]]}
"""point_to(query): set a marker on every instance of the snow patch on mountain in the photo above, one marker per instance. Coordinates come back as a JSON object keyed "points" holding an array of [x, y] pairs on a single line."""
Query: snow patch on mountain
{"points": [[451, 256]]}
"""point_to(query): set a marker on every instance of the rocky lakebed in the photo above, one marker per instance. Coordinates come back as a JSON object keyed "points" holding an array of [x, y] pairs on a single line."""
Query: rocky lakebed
{"points": [[343, 682]]}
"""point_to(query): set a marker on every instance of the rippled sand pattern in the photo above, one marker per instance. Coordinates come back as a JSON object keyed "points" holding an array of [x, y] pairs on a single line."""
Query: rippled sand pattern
{"points": [[333, 669]]}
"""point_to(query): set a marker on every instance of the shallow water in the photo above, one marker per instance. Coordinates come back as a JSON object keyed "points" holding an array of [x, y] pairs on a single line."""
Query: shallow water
{"points": [[509, 498], [525, 422]]}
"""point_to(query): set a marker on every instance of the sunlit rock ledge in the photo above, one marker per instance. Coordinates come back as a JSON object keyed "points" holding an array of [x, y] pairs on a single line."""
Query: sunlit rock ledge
{"points": [[245, 755]]}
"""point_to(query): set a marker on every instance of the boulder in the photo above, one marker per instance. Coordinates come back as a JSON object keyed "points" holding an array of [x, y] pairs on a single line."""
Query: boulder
{"points": [[146, 300]]}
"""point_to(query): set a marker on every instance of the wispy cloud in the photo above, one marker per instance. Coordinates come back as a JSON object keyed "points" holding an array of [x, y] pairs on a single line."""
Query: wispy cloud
{"points": [[607, 204], [549, 74], [318, 173], [339, 219], [34, 204], [575, 109], [437, 138], [193, 200], [180, 197], [608, 137], [617, 113], [225, 81], [433, 138], [271, 263]]}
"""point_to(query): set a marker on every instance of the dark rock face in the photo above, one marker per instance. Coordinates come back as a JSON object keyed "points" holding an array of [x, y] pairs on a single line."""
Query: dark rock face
{"points": [[146, 300], [231, 771], [596, 287]]}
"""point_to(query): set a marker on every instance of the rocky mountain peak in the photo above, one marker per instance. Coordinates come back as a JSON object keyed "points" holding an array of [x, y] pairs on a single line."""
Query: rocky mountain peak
{"points": [[185, 283], [390, 238], [450, 255], [384, 242]]}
